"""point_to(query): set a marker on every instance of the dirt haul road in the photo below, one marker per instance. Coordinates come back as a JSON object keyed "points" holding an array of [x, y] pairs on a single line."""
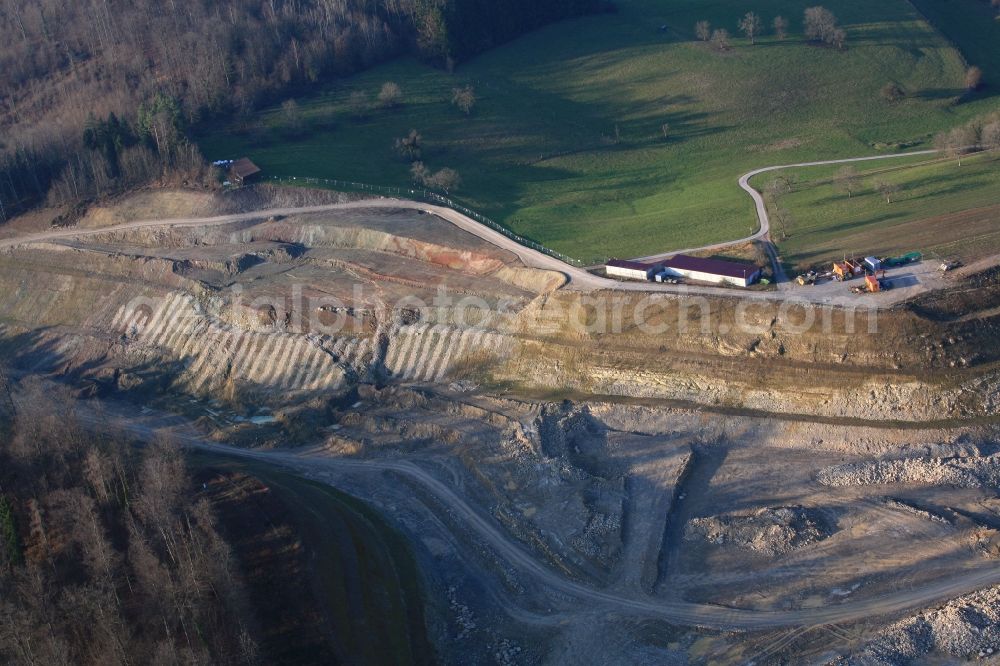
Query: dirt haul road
{"points": [[319, 465], [576, 278]]}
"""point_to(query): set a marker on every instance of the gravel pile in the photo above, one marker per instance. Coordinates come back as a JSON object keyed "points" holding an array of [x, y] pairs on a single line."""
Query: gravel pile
{"points": [[972, 472], [770, 531], [916, 511], [965, 628]]}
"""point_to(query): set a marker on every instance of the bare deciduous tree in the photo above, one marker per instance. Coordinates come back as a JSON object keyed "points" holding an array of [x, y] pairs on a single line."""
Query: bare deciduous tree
{"points": [[778, 186], [703, 30], [162, 488], [839, 39], [957, 142], [780, 25], [98, 472], [390, 96], [291, 115], [773, 191], [848, 181], [409, 147], [783, 220], [990, 135], [887, 189], [973, 78], [464, 99], [751, 26], [720, 39], [419, 173], [446, 180], [819, 23], [821, 26]]}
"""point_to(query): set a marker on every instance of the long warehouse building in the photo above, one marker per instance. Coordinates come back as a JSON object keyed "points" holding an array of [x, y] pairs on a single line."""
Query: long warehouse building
{"points": [[714, 271], [718, 271]]}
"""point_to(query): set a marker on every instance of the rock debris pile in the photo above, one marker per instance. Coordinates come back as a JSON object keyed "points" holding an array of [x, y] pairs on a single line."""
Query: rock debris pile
{"points": [[965, 472], [769, 531], [965, 628]]}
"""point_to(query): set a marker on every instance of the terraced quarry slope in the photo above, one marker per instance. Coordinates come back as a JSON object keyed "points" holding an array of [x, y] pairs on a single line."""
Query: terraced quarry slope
{"points": [[317, 302]]}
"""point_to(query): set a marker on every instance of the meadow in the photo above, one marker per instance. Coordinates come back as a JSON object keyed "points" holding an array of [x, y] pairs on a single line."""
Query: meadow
{"points": [[941, 209], [566, 143], [973, 26]]}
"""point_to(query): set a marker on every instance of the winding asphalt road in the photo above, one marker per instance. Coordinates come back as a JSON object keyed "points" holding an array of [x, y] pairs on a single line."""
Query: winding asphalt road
{"points": [[576, 278], [319, 465], [764, 231]]}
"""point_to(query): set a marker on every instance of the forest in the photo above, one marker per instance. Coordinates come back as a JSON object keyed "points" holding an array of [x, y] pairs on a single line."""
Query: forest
{"points": [[107, 554], [117, 550], [96, 96]]}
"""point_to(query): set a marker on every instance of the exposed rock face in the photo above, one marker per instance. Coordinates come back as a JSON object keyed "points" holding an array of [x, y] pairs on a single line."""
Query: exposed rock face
{"points": [[232, 308], [575, 437], [527, 335]]}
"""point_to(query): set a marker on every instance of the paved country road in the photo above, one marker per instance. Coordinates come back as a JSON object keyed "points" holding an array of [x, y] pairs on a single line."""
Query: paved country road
{"points": [[319, 465], [764, 230], [577, 279]]}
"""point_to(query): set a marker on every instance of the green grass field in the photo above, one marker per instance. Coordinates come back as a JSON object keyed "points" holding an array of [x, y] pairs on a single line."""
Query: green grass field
{"points": [[972, 25], [941, 209], [540, 153]]}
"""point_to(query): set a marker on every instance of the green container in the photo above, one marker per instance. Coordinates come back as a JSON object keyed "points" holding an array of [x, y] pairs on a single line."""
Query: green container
{"points": [[905, 259]]}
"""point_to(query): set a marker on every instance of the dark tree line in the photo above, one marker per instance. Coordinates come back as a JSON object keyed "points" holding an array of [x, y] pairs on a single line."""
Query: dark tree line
{"points": [[157, 67], [107, 553], [459, 29]]}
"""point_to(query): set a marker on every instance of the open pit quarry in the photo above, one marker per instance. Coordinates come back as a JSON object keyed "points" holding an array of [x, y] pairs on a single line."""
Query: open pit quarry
{"points": [[585, 474]]}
